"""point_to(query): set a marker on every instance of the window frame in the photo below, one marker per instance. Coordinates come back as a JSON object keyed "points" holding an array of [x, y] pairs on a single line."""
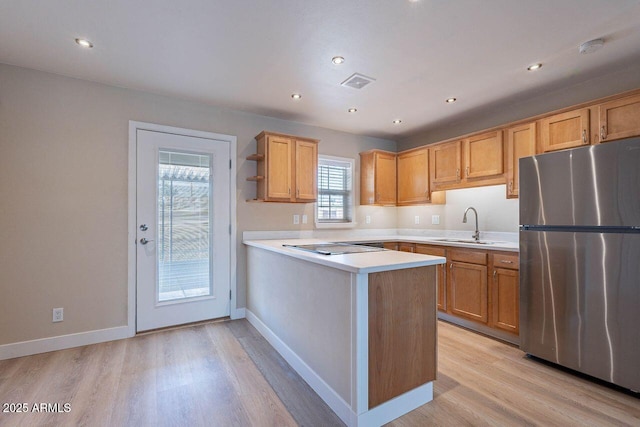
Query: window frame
{"points": [[350, 199]]}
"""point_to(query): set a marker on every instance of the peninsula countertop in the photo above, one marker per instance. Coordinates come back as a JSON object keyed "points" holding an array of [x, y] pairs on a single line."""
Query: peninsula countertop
{"points": [[359, 263]]}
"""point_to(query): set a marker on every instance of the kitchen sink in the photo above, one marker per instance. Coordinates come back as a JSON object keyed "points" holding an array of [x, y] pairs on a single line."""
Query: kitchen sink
{"points": [[476, 242]]}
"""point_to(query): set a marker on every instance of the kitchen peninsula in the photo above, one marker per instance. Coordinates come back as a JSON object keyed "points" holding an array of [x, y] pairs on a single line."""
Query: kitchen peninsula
{"points": [[360, 328]]}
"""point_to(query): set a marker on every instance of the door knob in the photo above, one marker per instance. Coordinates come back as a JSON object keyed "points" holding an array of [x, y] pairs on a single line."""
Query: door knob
{"points": [[144, 241]]}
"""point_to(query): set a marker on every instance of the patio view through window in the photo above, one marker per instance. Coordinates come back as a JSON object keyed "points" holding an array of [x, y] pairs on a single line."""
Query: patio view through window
{"points": [[183, 247]]}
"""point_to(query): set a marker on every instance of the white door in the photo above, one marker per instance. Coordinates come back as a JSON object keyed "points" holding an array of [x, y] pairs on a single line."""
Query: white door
{"points": [[183, 229]]}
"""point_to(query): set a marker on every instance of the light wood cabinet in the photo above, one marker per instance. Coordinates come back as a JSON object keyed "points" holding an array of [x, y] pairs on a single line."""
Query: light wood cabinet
{"points": [[441, 272], [483, 155], [413, 177], [505, 292], [287, 168], [470, 162], [619, 118], [406, 247], [565, 130], [391, 245], [445, 163], [467, 289], [377, 178], [521, 142]]}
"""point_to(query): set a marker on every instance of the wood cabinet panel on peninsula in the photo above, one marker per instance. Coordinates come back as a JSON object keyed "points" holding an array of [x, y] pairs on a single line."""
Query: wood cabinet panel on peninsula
{"points": [[378, 178], [287, 168]]}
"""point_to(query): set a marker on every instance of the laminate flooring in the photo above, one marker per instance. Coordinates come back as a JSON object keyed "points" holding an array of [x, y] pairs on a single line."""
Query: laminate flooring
{"points": [[226, 374]]}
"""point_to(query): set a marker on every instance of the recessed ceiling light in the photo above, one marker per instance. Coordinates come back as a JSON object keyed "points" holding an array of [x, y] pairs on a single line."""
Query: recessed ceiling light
{"points": [[84, 43], [352, 110], [591, 46], [296, 96], [337, 60], [534, 67], [450, 100], [397, 121]]}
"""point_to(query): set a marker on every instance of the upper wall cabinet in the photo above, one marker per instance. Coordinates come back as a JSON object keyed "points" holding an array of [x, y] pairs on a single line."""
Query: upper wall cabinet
{"points": [[377, 178], [619, 118], [565, 130], [484, 156], [521, 142], [287, 168], [473, 161], [413, 177], [446, 162]]}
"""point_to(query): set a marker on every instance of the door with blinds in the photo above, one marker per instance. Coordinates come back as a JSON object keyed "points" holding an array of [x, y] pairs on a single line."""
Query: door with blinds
{"points": [[183, 238]]}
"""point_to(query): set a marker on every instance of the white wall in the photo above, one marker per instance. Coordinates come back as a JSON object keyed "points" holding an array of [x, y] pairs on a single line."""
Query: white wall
{"points": [[495, 211], [63, 192]]}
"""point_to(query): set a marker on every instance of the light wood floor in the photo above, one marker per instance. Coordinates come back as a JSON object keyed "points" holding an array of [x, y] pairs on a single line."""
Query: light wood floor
{"points": [[226, 374]]}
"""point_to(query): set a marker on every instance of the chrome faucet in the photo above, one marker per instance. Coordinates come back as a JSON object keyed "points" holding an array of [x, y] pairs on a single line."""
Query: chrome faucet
{"points": [[476, 235]]}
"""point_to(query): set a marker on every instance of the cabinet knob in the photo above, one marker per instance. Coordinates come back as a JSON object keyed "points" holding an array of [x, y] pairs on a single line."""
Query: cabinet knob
{"points": [[603, 133], [510, 187], [298, 193], [451, 266], [467, 171], [494, 273], [584, 136], [458, 173]]}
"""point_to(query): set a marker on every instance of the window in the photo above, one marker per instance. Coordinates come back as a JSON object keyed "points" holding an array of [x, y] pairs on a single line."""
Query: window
{"points": [[335, 192]]}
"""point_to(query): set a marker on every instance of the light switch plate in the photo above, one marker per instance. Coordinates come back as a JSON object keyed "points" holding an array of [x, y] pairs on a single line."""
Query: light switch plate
{"points": [[367, 219], [435, 219], [416, 219], [304, 219], [296, 219]]}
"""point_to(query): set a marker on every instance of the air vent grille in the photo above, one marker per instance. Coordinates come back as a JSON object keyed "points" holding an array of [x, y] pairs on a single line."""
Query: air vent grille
{"points": [[357, 81]]}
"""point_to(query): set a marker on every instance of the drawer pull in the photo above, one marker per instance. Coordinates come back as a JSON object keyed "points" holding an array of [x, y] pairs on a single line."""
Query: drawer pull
{"points": [[603, 133], [506, 262], [584, 136]]}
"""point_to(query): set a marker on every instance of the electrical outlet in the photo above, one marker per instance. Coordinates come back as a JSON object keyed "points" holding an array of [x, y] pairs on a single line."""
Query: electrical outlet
{"points": [[416, 219], [58, 314], [304, 219], [435, 219], [367, 219], [296, 219]]}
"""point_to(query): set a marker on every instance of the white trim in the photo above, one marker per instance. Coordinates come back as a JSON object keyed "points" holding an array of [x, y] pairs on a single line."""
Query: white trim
{"points": [[131, 229], [326, 393], [238, 313], [396, 407], [352, 199], [43, 345]]}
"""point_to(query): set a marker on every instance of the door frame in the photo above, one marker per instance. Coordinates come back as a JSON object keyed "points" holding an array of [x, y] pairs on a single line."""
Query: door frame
{"points": [[134, 126]]}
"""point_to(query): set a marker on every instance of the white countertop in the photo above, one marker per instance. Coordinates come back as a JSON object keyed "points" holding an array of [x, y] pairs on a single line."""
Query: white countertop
{"points": [[366, 262], [495, 245]]}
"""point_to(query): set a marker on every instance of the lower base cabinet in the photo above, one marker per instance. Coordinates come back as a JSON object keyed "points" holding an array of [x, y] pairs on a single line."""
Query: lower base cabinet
{"points": [[480, 286]]}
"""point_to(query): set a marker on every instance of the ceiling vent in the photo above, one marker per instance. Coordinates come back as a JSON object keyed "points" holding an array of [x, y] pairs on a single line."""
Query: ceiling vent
{"points": [[357, 81]]}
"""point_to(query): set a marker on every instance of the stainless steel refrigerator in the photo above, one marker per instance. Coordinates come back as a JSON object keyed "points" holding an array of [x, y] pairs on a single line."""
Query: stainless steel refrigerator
{"points": [[580, 259]]}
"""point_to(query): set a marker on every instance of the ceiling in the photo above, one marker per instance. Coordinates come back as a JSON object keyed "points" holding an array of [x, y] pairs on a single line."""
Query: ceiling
{"points": [[251, 55]]}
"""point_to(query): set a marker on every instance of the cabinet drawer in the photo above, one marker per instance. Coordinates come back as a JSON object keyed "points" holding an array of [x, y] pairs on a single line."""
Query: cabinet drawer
{"points": [[472, 257], [430, 250], [406, 247], [510, 261]]}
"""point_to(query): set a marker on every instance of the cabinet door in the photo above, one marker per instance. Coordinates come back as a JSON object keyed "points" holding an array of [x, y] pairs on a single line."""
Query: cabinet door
{"points": [[619, 118], [505, 300], [484, 155], [566, 130], [279, 170], [468, 291], [306, 171], [441, 273], [413, 177], [391, 245], [406, 247], [521, 142], [385, 178], [445, 162]]}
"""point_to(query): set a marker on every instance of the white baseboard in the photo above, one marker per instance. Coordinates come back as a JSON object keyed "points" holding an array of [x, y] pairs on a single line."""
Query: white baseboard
{"points": [[43, 345], [238, 313], [326, 393]]}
